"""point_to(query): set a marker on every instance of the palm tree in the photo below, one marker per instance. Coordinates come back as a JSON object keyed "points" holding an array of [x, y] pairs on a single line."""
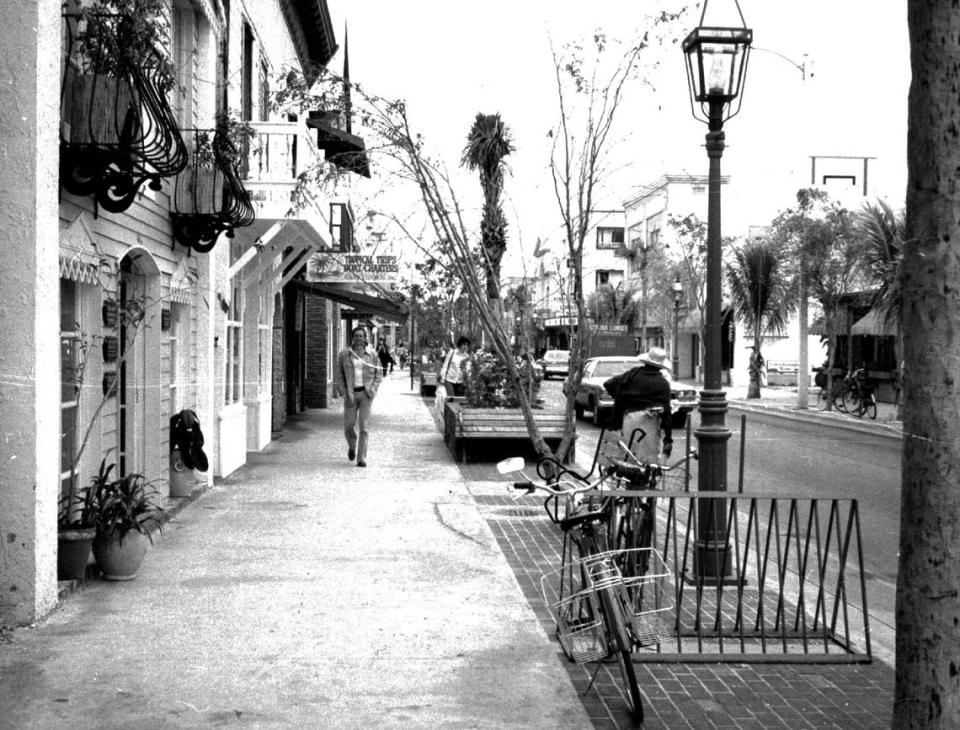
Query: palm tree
{"points": [[488, 142], [880, 234], [517, 302], [760, 292], [615, 305]]}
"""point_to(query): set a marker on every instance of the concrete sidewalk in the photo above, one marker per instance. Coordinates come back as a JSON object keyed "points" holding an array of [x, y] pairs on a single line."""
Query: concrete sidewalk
{"points": [[305, 592]]}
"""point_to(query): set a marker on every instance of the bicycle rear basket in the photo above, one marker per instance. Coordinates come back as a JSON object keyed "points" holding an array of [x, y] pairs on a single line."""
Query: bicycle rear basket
{"points": [[576, 611], [648, 583]]}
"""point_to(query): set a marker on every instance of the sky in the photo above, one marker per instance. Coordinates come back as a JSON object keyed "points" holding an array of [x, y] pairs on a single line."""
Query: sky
{"points": [[451, 60]]}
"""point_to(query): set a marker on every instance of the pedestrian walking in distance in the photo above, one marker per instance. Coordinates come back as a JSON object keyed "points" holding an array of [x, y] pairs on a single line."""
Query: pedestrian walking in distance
{"points": [[357, 377], [452, 373]]}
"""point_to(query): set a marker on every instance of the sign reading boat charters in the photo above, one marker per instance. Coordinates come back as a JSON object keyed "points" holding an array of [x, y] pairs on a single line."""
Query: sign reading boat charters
{"points": [[370, 265], [352, 267]]}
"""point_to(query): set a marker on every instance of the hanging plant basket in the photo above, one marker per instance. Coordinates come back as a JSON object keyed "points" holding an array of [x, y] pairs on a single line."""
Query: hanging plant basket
{"points": [[110, 310], [111, 349], [110, 384]]}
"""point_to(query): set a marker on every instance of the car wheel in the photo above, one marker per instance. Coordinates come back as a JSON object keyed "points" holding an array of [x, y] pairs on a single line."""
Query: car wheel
{"points": [[678, 419], [596, 413]]}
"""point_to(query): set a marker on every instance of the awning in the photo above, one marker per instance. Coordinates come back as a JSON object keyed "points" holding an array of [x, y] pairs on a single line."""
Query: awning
{"points": [[277, 245], [345, 150], [363, 303], [873, 323]]}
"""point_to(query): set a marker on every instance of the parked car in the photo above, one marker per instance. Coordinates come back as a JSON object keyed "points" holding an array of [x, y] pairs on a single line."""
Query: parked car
{"points": [[555, 362], [593, 397]]}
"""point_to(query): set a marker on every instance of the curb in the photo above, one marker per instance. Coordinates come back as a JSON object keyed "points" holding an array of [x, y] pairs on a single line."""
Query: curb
{"points": [[845, 423]]}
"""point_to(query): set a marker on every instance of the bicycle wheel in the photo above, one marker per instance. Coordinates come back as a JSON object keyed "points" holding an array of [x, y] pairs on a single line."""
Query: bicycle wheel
{"points": [[851, 402], [870, 408], [822, 399], [618, 632]]}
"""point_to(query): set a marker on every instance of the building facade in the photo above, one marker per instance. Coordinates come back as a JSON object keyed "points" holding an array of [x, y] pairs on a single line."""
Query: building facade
{"points": [[155, 255]]}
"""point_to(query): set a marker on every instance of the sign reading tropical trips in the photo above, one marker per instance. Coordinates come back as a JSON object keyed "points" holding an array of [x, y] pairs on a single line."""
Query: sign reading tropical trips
{"points": [[326, 266]]}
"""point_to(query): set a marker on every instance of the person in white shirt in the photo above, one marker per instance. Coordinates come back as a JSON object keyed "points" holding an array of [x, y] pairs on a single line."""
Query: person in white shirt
{"points": [[452, 373], [357, 377]]}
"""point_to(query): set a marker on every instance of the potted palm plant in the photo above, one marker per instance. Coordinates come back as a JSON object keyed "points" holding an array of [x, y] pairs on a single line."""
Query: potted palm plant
{"points": [[77, 525], [126, 513]]}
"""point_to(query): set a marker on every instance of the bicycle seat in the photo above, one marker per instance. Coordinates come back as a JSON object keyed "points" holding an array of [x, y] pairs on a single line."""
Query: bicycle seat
{"points": [[636, 474], [601, 515]]}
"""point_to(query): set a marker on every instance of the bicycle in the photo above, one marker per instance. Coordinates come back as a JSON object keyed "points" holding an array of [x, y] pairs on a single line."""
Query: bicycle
{"points": [[840, 387], [600, 600], [634, 517], [860, 398]]}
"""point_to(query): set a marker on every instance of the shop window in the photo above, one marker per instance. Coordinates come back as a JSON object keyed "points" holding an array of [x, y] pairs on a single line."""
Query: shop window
{"points": [[179, 365], [265, 334], [233, 352], [71, 362]]}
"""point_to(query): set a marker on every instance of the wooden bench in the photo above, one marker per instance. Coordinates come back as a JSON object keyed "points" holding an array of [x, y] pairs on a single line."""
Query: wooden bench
{"points": [[464, 426]]}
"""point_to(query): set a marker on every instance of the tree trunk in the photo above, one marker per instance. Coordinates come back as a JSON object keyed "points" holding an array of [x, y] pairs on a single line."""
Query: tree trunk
{"points": [[803, 371], [928, 604]]}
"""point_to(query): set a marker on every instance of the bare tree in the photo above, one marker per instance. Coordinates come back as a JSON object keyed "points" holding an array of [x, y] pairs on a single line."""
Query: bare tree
{"points": [[690, 235], [928, 583], [590, 91]]}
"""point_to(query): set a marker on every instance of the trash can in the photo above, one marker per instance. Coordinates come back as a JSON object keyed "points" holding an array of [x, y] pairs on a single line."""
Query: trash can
{"points": [[183, 480]]}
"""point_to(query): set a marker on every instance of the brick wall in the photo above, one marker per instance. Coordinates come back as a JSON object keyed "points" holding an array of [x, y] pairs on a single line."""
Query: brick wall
{"points": [[323, 323]]}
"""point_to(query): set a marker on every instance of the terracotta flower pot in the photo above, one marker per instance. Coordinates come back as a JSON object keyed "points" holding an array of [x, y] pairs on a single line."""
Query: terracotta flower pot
{"points": [[73, 553], [120, 559]]}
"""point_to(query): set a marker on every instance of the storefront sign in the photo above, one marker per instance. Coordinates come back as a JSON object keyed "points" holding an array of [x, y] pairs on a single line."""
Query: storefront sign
{"points": [[352, 267]]}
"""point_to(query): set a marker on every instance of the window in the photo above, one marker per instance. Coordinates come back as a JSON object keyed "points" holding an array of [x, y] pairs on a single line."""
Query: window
{"points": [[264, 89], [609, 237], [179, 347], [71, 374], [265, 334], [246, 82], [233, 377], [193, 97], [603, 277]]}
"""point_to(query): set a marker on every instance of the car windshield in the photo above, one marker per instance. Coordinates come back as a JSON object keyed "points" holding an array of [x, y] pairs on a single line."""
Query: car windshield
{"points": [[609, 369], [558, 356]]}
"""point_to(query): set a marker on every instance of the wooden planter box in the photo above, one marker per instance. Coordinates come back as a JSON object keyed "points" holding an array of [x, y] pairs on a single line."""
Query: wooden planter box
{"points": [[499, 432], [428, 383]]}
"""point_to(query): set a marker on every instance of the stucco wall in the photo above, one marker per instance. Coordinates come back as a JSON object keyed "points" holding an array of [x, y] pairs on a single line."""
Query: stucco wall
{"points": [[29, 359]]}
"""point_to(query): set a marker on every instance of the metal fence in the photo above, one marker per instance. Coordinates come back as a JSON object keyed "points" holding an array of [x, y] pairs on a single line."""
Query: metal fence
{"points": [[761, 578]]}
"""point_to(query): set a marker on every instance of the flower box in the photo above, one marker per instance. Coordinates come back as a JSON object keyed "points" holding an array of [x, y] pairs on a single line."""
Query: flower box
{"points": [[500, 432]]}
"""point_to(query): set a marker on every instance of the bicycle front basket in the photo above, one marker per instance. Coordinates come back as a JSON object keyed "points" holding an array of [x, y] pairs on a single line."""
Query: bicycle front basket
{"points": [[650, 590], [576, 612]]}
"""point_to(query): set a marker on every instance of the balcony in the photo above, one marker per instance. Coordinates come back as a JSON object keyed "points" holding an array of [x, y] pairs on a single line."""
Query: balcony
{"points": [[208, 196], [117, 131]]}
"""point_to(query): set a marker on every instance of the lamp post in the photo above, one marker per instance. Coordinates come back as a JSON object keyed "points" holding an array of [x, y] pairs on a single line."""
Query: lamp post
{"points": [[677, 296], [716, 64]]}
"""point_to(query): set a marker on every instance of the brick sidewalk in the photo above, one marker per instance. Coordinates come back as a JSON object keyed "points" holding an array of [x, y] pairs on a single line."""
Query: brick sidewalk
{"points": [[684, 695]]}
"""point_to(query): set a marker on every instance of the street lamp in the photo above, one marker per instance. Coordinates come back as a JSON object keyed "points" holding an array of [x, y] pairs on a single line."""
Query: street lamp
{"points": [[716, 66], [677, 296]]}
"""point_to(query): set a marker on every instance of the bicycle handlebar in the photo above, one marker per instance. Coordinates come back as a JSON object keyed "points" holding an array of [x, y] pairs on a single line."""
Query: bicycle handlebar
{"points": [[620, 469], [641, 471]]}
